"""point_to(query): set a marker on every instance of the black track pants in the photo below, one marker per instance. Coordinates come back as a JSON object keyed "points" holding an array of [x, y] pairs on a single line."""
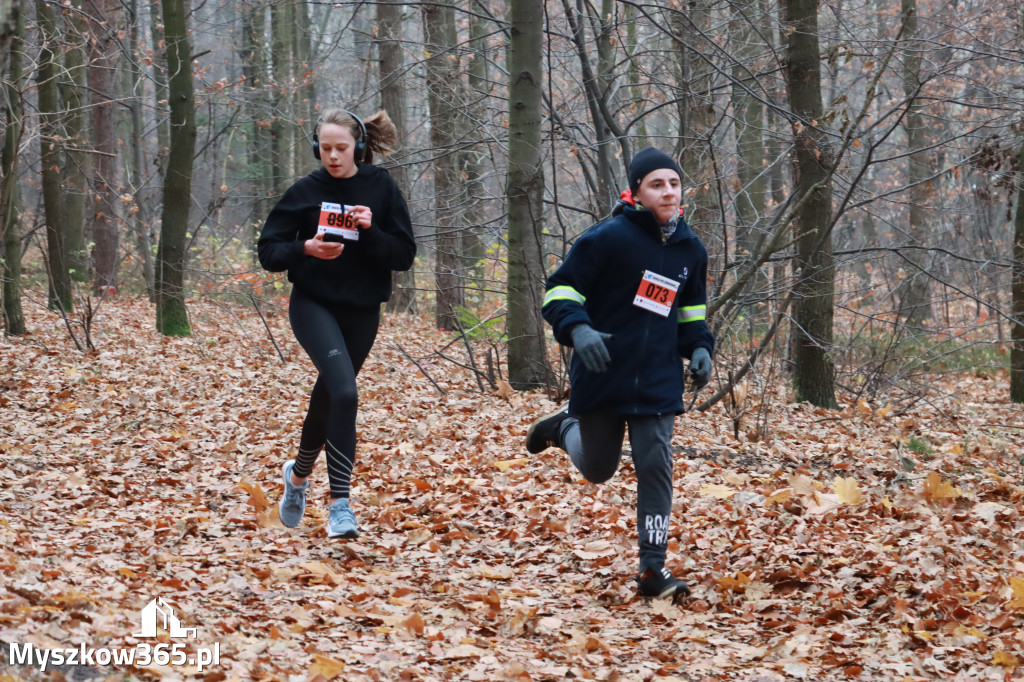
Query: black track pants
{"points": [[337, 341]]}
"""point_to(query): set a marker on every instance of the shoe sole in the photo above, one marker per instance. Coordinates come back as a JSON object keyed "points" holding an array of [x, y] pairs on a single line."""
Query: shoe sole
{"points": [[673, 591], [348, 535]]}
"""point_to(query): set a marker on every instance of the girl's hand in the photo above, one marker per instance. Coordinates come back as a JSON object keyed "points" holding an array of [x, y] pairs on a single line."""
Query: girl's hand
{"points": [[318, 248], [363, 216]]}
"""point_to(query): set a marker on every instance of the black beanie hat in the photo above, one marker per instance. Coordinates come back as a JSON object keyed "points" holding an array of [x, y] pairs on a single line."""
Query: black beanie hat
{"points": [[648, 160]]}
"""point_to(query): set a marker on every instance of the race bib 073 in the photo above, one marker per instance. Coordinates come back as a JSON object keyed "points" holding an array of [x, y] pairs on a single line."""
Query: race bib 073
{"points": [[656, 293], [336, 223]]}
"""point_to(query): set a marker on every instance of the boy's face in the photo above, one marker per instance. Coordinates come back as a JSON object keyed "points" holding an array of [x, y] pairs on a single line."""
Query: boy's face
{"points": [[660, 193]]}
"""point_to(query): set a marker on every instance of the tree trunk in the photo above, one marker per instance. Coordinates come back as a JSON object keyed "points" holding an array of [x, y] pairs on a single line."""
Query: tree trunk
{"points": [[9, 12], [140, 220], [50, 134], [814, 372], [102, 65], [393, 99], [641, 137], [280, 134], [1017, 329], [748, 113], [696, 122], [527, 357], [258, 148], [442, 82], [171, 315], [10, 255], [596, 95], [914, 290], [473, 158], [76, 161], [163, 124]]}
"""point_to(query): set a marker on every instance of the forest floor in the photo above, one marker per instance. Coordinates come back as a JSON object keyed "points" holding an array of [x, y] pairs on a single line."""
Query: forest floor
{"points": [[866, 543]]}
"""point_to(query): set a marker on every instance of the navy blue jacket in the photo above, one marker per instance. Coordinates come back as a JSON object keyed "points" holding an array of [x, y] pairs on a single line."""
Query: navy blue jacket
{"points": [[599, 283]]}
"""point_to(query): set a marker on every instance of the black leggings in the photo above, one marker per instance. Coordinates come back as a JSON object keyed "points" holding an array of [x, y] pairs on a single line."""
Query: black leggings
{"points": [[337, 340]]}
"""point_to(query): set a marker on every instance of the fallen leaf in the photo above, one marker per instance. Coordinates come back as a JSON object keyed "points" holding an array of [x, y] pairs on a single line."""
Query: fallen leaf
{"points": [[257, 499], [717, 491], [1017, 585], [504, 465], [497, 572], [328, 667], [848, 490], [1004, 659], [937, 489]]}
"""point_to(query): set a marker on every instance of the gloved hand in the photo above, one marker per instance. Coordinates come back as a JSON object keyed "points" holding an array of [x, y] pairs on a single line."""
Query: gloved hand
{"points": [[589, 343], [700, 368]]}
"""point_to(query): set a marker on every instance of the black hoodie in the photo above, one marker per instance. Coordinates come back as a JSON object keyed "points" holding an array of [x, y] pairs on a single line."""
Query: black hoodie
{"points": [[361, 276]]}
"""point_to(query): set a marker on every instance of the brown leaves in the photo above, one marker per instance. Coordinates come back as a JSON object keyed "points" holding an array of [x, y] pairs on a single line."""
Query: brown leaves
{"points": [[808, 551], [938, 490]]}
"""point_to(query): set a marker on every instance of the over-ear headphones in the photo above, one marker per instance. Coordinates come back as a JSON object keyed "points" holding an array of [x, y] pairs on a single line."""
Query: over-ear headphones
{"points": [[359, 152]]}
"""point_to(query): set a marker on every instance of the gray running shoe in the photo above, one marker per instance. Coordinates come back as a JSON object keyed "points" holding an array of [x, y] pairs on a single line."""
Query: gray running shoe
{"points": [[341, 522], [293, 504]]}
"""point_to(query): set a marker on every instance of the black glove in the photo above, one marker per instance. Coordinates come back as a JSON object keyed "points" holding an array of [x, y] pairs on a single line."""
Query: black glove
{"points": [[589, 343], [700, 368]]}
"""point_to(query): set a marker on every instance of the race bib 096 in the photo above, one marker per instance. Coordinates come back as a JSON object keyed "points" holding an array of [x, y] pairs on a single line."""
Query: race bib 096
{"points": [[336, 223]]}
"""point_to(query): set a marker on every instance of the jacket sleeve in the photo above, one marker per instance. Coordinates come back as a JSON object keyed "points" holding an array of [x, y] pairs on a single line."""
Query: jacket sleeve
{"points": [[567, 289], [692, 312], [391, 241], [278, 248]]}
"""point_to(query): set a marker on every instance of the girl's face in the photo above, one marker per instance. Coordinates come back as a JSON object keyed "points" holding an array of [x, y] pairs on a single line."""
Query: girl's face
{"points": [[661, 193], [336, 150]]}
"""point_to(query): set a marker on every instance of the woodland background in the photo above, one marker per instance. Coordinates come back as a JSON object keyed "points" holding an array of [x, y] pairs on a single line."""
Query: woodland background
{"points": [[851, 500]]}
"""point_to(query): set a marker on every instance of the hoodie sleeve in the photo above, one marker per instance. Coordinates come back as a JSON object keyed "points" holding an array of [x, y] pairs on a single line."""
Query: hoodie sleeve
{"points": [[692, 311], [278, 249], [391, 241], [568, 287]]}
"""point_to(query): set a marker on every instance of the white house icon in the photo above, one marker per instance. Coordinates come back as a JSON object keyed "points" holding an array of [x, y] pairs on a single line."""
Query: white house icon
{"points": [[170, 622]]}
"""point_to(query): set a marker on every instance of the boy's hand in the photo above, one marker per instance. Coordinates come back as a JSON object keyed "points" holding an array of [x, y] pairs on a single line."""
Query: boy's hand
{"points": [[700, 368], [589, 343]]}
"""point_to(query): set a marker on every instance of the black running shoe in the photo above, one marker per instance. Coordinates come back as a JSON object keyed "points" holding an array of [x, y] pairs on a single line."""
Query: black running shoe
{"points": [[546, 431], [658, 584]]}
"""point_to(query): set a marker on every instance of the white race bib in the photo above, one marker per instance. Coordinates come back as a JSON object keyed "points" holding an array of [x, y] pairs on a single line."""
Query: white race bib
{"points": [[656, 293], [336, 223]]}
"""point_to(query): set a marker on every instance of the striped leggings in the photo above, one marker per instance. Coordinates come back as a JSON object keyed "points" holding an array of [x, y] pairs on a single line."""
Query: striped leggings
{"points": [[337, 340]]}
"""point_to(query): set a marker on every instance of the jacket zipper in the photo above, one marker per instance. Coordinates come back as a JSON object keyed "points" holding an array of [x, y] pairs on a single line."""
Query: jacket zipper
{"points": [[647, 332]]}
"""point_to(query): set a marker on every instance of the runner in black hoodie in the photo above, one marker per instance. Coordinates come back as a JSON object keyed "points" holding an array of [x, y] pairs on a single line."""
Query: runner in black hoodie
{"points": [[339, 232]]}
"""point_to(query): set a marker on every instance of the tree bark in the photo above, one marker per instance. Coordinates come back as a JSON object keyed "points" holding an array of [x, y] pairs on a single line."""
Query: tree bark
{"points": [[50, 134], [1017, 328], [473, 158], [171, 315], [102, 65], [75, 171], [442, 83], [527, 357], [913, 292], [748, 112], [280, 134], [814, 371], [258, 148], [696, 122], [393, 98], [10, 256], [140, 219]]}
